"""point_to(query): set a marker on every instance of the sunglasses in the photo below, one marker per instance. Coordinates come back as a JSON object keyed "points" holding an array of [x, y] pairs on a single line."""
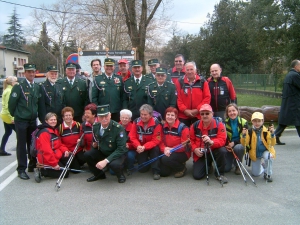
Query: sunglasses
{"points": [[178, 60], [206, 114]]}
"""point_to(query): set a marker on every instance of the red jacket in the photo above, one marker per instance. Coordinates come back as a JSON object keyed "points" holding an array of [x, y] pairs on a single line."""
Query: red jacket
{"points": [[222, 93], [126, 77], [87, 139], [49, 146], [175, 75], [172, 138], [149, 138], [191, 97], [217, 135], [69, 136], [128, 129]]}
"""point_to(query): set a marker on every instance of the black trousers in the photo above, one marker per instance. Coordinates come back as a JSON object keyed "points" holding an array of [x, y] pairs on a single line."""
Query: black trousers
{"points": [[174, 163], [23, 131], [93, 156], [199, 168], [56, 173], [282, 127], [145, 156], [115, 116], [78, 161]]}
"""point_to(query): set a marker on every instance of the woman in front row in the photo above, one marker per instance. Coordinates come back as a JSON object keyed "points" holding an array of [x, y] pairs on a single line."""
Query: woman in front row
{"points": [[174, 133], [234, 127], [51, 152]]}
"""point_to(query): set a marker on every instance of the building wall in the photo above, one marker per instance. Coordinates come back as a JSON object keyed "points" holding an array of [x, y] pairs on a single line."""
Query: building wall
{"points": [[13, 61]]}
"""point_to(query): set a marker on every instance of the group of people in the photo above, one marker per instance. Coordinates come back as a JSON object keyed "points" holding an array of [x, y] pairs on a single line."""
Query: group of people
{"points": [[101, 107]]}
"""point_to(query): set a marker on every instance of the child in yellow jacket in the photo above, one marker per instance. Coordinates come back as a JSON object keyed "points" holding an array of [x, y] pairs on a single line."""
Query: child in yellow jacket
{"points": [[261, 141]]}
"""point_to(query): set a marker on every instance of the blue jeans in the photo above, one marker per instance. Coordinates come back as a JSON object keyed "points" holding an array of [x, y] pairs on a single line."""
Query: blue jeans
{"points": [[130, 159], [8, 128]]}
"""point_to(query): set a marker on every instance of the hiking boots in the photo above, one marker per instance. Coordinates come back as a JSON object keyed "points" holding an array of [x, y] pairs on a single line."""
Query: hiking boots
{"points": [[37, 175], [268, 178], [180, 173], [279, 142], [222, 179]]}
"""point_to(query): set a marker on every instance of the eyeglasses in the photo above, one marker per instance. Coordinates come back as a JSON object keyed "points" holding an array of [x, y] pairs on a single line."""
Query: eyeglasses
{"points": [[206, 114], [178, 60], [160, 75]]}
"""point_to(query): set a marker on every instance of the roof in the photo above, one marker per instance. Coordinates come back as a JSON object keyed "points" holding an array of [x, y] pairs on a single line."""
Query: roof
{"points": [[12, 49]]}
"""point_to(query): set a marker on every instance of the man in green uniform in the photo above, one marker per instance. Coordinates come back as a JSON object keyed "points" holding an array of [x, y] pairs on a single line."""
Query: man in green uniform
{"points": [[108, 89], [108, 147], [23, 105], [161, 93], [74, 91], [51, 99], [153, 64], [136, 89]]}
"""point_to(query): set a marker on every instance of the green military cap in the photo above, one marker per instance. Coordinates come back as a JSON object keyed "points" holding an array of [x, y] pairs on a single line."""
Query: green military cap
{"points": [[136, 63], [109, 62], [29, 66], [52, 68], [152, 62], [102, 110], [161, 70], [71, 65]]}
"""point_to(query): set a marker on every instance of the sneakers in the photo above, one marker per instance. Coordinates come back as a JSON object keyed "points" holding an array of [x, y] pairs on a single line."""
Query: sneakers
{"points": [[156, 176], [37, 175], [180, 173], [237, 171], [268, 178], [222, 178]]}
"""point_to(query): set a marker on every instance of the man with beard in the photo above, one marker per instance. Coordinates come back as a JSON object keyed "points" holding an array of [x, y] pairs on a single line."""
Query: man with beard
{"points": [[52, 99]]}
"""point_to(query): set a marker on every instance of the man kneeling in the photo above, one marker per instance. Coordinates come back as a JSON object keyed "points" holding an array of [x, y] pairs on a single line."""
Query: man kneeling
{"points": [[108, 148]]}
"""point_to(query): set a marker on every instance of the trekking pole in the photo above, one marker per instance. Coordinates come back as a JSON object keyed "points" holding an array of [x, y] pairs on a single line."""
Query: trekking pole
{"points": [[206, 166], [65, 170], [142, 165], [268, 167], [215, 164], [240, 164]]}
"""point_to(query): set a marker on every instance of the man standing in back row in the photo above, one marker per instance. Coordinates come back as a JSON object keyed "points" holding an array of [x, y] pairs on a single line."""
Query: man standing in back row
{"points": [[178, 71], [23, 105], [221, 90]]}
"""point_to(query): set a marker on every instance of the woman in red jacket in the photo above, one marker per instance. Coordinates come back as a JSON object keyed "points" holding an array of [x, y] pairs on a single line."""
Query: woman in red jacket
{"points": [[51, 151], [174, 133], [69, 131]]}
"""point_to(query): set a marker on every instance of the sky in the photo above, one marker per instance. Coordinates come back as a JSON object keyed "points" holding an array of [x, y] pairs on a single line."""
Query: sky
{"points": [[189, 14]]}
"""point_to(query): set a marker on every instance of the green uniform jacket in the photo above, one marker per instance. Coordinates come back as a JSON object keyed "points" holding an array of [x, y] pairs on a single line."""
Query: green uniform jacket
{"points": [[150, 77], [23, 101], [75, 96], [51, 100], [160, 98], [135, 96], [107, 91], [113, 142]]}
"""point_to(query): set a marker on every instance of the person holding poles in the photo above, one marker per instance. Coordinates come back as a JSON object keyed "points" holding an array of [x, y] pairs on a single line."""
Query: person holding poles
{"points": [[208, 134], [108, 147], [234, 127], [261, 141]]}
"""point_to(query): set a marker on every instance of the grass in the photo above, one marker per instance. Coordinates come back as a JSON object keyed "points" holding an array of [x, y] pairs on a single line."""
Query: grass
{"points": [[256, 100]]}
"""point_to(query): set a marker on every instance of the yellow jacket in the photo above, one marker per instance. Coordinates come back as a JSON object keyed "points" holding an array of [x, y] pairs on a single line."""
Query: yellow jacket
{"points": [[269, 144], [5, 115]]}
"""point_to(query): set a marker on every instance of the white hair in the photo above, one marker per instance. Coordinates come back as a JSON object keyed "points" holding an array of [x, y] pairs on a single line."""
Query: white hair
{"points": [[126, 112], [191, 63]]}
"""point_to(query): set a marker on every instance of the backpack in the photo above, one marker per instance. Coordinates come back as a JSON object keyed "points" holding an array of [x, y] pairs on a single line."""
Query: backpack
{"points": [[61, 129], [212, 132], [35, 135], [182, 84]]}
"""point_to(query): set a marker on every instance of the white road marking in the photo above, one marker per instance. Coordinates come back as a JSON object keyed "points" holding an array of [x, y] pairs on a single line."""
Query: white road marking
{"points": [[8, 180], [8, 168]]}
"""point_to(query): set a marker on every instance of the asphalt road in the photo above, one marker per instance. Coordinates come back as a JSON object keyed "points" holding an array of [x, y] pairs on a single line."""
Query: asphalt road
{"points": [[141, 200]]}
